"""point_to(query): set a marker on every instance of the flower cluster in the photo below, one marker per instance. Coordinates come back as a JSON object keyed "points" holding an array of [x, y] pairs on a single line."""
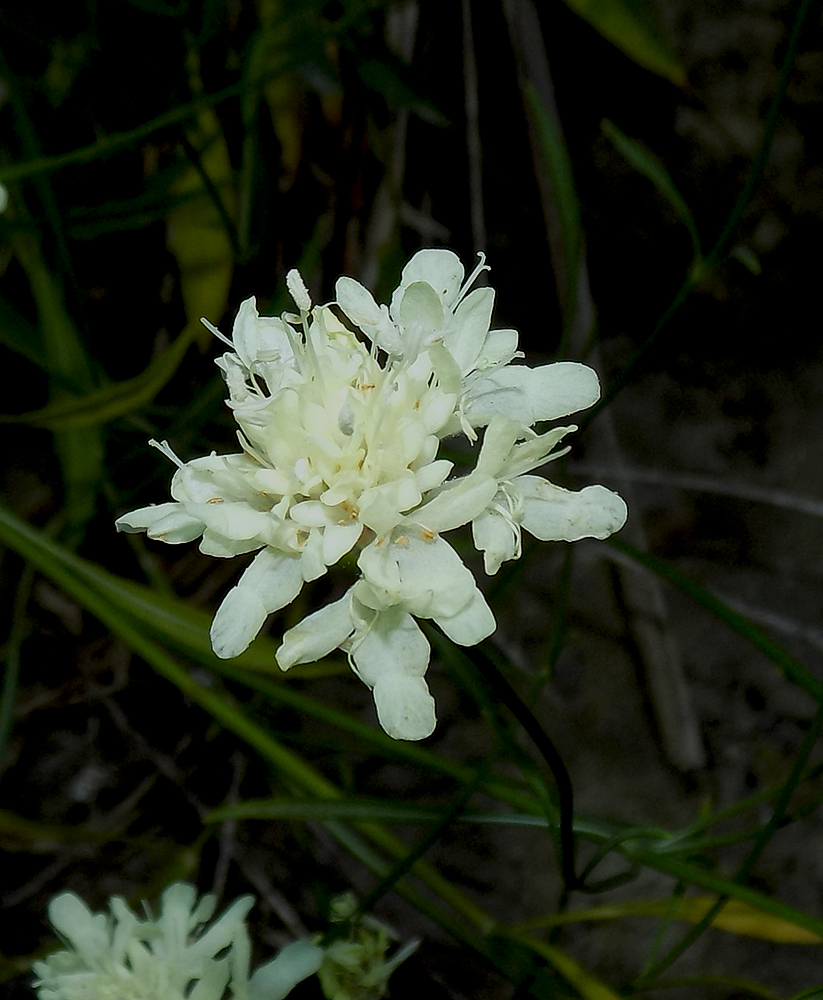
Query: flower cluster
{"points": [[120, 956], [340, 431], [356, 967]]}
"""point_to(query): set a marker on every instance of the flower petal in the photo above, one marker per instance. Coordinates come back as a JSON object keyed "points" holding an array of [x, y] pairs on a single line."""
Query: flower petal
{"points": [[499, 347], [471, 624], [271, 581], [419, 569], [391, 659], [165, 522], [531, 394], [497, 537], [391, 643], [439, 268], [317, 635], [86, 931], [551, 513], [359, 305], [276, 979], [457, 503], [469, 327], [405, 708], [421, 308]]}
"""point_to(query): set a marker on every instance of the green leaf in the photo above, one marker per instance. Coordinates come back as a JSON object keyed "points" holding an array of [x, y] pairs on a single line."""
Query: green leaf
{"points": [[113, 400], [648, 164], [633, 27]]}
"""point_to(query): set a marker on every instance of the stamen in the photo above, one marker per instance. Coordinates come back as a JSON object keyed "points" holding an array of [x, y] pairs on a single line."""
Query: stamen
{"points": [[481, 267], [298, 291], [216, 332], [165, 448]]}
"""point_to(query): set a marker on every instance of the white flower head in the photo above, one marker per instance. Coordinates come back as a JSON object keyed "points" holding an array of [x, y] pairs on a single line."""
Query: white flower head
{"points": [[340, 434], [177, 956]]}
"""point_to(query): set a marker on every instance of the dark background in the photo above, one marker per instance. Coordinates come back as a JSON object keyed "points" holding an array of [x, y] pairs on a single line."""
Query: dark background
{"points": [[355, 158]]}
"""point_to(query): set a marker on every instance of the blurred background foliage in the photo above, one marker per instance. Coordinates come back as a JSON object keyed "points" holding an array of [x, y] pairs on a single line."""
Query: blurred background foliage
{"points": [[645, 179]]}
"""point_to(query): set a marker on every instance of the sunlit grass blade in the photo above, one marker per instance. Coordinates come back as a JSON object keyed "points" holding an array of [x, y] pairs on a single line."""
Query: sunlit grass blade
{"points": [[791, 668], [588, 985], [693, 874], [736, 917], [723, 985]]}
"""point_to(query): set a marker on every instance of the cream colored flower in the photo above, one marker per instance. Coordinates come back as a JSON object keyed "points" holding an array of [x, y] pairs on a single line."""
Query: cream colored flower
{"points": [[340, 441], [177, 956]]}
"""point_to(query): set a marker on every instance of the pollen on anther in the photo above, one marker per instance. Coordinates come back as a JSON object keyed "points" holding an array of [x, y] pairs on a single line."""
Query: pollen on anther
{"points": [[215, 500], [428, 536]]}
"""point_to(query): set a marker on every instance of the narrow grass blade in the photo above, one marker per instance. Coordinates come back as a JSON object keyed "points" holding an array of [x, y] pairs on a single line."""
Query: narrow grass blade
{"points": [[586, 983], [736, 917], [561, 176], [632, 26], [113, 400], [789, 666], [648, 164]]}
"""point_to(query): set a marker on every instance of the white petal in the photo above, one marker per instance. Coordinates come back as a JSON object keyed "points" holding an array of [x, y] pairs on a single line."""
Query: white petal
{"points": [[225, 931], [392, 644], [499, 347], [392, 659], [312, 565], [381, 506], [551, 513], [237, 621], [338, 539], [419, 569], [405, 709], [87, 932], [260, 339], [528, 454], [419, 304], [562, 388], [497, 537], [457, 504], [467, 332], [166, 522], [213, 476], [359, 305], [271, 581], [432, 475], [498, 441], [471, 624], [215, 544], [531, 394], [438, 267], [234, 520], [276, 979], [317, 635]]}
